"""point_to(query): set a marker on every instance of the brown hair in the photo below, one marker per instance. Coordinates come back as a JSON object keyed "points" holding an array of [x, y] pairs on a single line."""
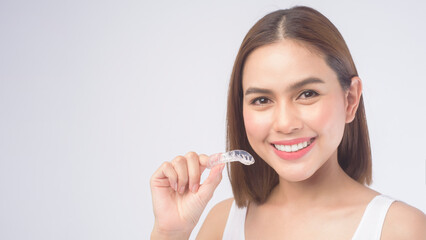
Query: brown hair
{"points": [[313, 30]]}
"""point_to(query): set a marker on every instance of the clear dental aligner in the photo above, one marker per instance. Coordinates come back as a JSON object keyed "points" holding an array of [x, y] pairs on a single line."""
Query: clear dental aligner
{"points": [[231, 156]]}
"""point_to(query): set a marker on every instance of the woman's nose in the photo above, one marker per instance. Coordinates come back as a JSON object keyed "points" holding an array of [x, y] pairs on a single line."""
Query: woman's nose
{"points": [[286, 120]]}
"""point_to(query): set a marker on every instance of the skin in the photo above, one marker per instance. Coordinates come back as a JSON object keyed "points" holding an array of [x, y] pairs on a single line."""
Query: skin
{"points": [[313, 189], [178, 199]]}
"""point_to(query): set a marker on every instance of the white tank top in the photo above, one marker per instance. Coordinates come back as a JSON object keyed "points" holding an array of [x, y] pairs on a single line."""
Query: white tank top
{"points": [[370, 227]]}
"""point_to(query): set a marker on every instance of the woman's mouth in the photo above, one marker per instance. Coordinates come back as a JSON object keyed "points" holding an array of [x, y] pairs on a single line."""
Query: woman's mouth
{"points": [[294, 149]]}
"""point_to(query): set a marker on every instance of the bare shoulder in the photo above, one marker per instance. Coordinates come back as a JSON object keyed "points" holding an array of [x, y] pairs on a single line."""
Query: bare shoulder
{"points": [[404, 222], [215, 222]]}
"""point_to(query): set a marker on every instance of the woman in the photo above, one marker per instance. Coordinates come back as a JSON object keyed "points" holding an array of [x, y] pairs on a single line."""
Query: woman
{"points": [[295, 103]]}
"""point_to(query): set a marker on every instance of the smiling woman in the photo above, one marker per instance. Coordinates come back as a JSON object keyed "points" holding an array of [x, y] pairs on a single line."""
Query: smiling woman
{"points": [[301, 48], [294, 103], [294, 107]]}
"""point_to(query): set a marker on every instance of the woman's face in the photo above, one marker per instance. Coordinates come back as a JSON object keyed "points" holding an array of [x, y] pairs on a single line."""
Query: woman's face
{"points": [[294, 109]]}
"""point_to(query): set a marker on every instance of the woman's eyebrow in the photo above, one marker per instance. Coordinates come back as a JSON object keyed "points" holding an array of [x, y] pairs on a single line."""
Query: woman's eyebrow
{"points": [[252, 90], [292, 87], [304, 82]]}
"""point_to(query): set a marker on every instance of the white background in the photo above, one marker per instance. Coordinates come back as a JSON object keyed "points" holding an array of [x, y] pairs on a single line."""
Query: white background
{"points": [[95, 95]]}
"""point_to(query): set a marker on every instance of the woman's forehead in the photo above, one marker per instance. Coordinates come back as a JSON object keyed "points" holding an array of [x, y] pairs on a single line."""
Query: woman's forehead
{"points": [[284, 62]]}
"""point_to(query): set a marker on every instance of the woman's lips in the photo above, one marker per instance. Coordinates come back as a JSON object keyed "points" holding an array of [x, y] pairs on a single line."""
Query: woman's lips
{"points": [[293, 149]]}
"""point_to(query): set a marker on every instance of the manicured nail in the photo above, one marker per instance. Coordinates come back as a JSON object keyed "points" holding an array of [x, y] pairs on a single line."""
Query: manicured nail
{"points": [[195, 188], [182, 189]]}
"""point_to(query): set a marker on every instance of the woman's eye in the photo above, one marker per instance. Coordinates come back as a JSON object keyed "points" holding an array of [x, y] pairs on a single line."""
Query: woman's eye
{"points": [[260, 101], [308, 94]]}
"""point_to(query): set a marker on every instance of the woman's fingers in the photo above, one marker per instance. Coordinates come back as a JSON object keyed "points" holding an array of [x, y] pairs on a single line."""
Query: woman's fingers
{"points": [[165, 176], [193, 171], [204, 160], [184, 172], [181, 167]]}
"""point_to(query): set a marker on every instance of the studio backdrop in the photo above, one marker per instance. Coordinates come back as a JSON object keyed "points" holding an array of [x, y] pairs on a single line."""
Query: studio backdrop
{"points": [[95, 95]]}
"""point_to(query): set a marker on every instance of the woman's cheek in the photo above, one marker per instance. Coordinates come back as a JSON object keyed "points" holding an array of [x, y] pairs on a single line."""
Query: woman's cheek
{"points": [[328, 119], [257, 125], [319, 117]]}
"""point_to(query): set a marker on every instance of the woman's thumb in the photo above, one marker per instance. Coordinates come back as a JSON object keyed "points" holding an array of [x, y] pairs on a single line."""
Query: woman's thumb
{"points": [[206, 190]]}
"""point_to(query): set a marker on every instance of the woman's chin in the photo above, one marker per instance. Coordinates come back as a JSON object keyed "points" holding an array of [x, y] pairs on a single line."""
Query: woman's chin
{"points": [[294, 175]]}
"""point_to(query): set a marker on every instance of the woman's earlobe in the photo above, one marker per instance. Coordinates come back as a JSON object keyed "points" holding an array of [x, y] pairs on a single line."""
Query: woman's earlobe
{"points": [[353, 96]]}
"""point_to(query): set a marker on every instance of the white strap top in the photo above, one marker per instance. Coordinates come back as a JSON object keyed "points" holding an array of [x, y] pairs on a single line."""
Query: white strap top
{"points": [[370, 227]]}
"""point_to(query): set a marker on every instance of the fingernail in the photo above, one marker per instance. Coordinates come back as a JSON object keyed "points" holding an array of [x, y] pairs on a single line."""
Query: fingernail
{"points": [[195, 188], [175, 187], [182, 189]]}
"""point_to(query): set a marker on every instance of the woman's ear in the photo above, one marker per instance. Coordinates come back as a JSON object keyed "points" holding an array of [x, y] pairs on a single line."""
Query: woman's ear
{"points": [[352, 97]]}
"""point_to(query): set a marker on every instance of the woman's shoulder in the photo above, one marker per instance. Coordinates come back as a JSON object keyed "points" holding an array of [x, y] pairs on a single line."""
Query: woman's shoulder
{"points": [[215, 222], [404, 222]]}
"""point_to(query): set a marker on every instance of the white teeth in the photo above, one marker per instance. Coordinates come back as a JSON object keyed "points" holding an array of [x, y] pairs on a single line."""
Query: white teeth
{"points": [[294, 147], [286, 148]]}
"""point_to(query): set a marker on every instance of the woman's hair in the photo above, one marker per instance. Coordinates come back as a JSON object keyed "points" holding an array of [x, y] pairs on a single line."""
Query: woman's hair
{"points": [[312, 29]]}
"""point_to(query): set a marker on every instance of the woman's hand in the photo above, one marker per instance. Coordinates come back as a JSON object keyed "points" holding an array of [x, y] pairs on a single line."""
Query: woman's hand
{"points": [[178, 198]]}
